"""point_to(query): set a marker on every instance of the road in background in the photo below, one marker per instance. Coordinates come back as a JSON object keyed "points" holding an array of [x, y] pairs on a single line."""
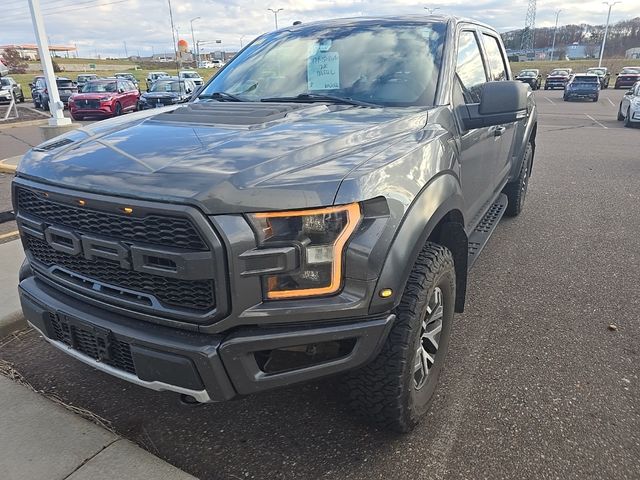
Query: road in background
{"points": [[536, 384]]}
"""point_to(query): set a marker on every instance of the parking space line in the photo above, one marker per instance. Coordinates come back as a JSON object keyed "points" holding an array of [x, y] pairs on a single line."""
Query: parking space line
{"points": [[612, 104], [10, 234], [549, 100], [596, 121]]}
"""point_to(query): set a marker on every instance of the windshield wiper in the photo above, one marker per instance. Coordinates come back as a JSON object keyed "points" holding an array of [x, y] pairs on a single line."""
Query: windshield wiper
{"points": [[222, 97], [316, 97]]}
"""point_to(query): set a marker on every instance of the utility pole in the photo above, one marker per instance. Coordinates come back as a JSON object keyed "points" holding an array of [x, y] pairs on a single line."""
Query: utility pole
{"points": [[553, 44], [56, 107], [275, 14], [606, 30], [431, 9], [193, 40], [173, 34], [241, 45]]}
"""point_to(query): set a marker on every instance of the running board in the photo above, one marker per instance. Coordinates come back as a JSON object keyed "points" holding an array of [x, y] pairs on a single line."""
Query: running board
{"points": [[481, 234]]}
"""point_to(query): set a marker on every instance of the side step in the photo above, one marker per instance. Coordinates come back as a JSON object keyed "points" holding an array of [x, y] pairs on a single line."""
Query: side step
{"points": [[480, 236]]}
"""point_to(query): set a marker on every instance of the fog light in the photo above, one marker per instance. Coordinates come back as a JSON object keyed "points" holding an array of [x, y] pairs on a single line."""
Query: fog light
{"points": [[386, 292]]}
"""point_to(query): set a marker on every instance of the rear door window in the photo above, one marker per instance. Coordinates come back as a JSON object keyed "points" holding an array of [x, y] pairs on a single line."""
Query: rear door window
{"points": [[495, 58]]}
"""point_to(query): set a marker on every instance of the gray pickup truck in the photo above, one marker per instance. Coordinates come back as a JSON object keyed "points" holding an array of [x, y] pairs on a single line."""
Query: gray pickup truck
{"points": [[314, 211]]}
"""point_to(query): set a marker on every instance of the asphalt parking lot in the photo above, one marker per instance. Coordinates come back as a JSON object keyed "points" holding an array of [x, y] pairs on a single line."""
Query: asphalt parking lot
{"points": [[537, 386]]}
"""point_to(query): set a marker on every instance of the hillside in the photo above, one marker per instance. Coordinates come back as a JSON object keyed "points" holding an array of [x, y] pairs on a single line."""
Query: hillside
{"points": [[622, 36]]}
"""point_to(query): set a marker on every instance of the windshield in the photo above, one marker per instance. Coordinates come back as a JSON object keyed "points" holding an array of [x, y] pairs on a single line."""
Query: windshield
{"points": [[630, 70], [64, 83], [190, 75], [596, 71], [527, 74], [386, 64], [164, 86], [560, 72], [100, 87], [4, 81]]}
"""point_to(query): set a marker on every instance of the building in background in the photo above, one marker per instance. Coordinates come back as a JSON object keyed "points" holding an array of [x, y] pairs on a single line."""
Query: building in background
{"points": [[29, 51]]}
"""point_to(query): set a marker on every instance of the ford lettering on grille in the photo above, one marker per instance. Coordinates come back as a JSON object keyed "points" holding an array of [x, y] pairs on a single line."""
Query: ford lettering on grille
{"points": [[152, 260]]}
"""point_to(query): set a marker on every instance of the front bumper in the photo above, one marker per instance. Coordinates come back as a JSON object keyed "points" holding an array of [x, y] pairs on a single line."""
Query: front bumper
{"points": [[206, 367], [105, 110], [555, 83]]}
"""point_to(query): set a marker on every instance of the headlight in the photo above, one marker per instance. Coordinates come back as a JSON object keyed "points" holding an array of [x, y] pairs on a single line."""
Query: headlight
{"points": [[106, 99], [320, 236]]}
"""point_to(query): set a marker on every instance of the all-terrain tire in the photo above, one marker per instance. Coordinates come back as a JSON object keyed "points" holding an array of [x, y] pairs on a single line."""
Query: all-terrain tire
{"points": [[386, 390], [516, 191]]}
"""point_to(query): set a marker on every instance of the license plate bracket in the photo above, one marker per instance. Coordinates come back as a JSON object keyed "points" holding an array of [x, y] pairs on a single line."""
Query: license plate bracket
{"points": [[89, 339]]}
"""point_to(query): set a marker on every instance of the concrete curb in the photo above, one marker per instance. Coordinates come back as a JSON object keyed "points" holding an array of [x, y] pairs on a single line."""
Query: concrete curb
{"points": [[11, 319], [28, 123], [9, 165]]}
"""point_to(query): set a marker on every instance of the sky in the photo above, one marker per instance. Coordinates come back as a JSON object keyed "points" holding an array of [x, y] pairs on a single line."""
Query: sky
{"points": [[101, 27]]}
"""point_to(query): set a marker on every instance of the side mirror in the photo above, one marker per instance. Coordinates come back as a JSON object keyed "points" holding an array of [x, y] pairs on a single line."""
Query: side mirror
{"points": [[500, 102], [121, 90], [31, 85], [629, 92]]}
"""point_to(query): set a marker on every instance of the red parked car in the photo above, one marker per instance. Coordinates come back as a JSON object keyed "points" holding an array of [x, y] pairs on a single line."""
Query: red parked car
{"points": [[108, 97]]}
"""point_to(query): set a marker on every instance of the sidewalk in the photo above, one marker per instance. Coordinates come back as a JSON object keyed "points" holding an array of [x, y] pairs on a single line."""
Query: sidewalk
{"points": [[41, 440]]}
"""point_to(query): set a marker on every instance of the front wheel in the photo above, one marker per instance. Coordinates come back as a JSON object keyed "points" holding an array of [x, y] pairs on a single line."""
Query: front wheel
{"points": [[396, 389], [627, 119], [516, 191], [620, 116], [595, 99], [117, 111]]}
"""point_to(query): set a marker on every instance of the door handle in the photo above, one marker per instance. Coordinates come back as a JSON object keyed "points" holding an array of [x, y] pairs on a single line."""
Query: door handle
{"points": [[499, 131]]}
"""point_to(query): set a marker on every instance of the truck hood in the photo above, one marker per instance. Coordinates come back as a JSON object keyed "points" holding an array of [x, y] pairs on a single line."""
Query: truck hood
{"points": [[224, 157]]}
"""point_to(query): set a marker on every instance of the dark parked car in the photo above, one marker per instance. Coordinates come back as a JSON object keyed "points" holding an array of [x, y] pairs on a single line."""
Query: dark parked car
{"points": [[167, 91], [558, 78], [532, 77], [40, 93], [627, 77], [582, 86], [314, 211], [82, 79], [8, 88], [603, 75], [107, 97]]}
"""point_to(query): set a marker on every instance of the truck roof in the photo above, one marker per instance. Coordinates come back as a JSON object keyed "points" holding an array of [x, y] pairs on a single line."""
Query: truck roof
{"points": [[390, 19]]}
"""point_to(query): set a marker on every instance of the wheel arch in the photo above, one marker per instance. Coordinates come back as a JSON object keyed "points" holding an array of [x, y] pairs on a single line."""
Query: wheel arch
{"points": [[436, 216]]}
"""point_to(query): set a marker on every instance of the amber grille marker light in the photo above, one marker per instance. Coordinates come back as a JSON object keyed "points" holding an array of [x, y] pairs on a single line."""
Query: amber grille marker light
{"points": [[353, 218]]}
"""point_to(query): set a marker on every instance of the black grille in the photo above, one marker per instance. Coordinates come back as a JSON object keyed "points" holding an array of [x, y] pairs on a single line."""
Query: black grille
{"points": [[87, 104], [153, 229], [99, 346], [193, 294]]}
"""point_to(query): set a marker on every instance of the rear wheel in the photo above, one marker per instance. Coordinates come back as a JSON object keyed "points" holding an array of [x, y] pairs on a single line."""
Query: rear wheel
{"points": [[396, 389], [516, 191]]}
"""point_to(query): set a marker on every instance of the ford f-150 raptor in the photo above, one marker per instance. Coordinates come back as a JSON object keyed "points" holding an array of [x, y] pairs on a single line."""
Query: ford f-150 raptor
{"points": [[313, 210]]}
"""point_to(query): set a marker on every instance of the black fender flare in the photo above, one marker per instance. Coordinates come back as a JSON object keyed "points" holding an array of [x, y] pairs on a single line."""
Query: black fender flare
{"points": [[441, 196]]}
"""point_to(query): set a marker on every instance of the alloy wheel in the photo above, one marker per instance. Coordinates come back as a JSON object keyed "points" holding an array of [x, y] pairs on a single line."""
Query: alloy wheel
{"points": [[429, 339]]}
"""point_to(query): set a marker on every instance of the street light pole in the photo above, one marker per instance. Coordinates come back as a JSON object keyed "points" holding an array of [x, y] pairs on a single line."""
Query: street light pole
{"points": [[56, 107], [193, 40], [275, 14], [553, 44], [241, 45], [173, 34], [431, 9], [606, 30]]}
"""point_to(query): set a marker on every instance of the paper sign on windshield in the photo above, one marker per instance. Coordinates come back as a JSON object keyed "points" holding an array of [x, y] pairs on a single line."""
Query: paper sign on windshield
{"points": [[323, 71]]}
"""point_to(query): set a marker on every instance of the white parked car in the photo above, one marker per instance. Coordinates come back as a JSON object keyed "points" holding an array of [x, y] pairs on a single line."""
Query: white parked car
{"points": [[629, 110], [205, 64], [191, 75]]}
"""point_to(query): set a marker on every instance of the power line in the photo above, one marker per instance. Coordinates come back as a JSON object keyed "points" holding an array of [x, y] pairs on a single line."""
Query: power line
{"points": [[72, 9]]}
